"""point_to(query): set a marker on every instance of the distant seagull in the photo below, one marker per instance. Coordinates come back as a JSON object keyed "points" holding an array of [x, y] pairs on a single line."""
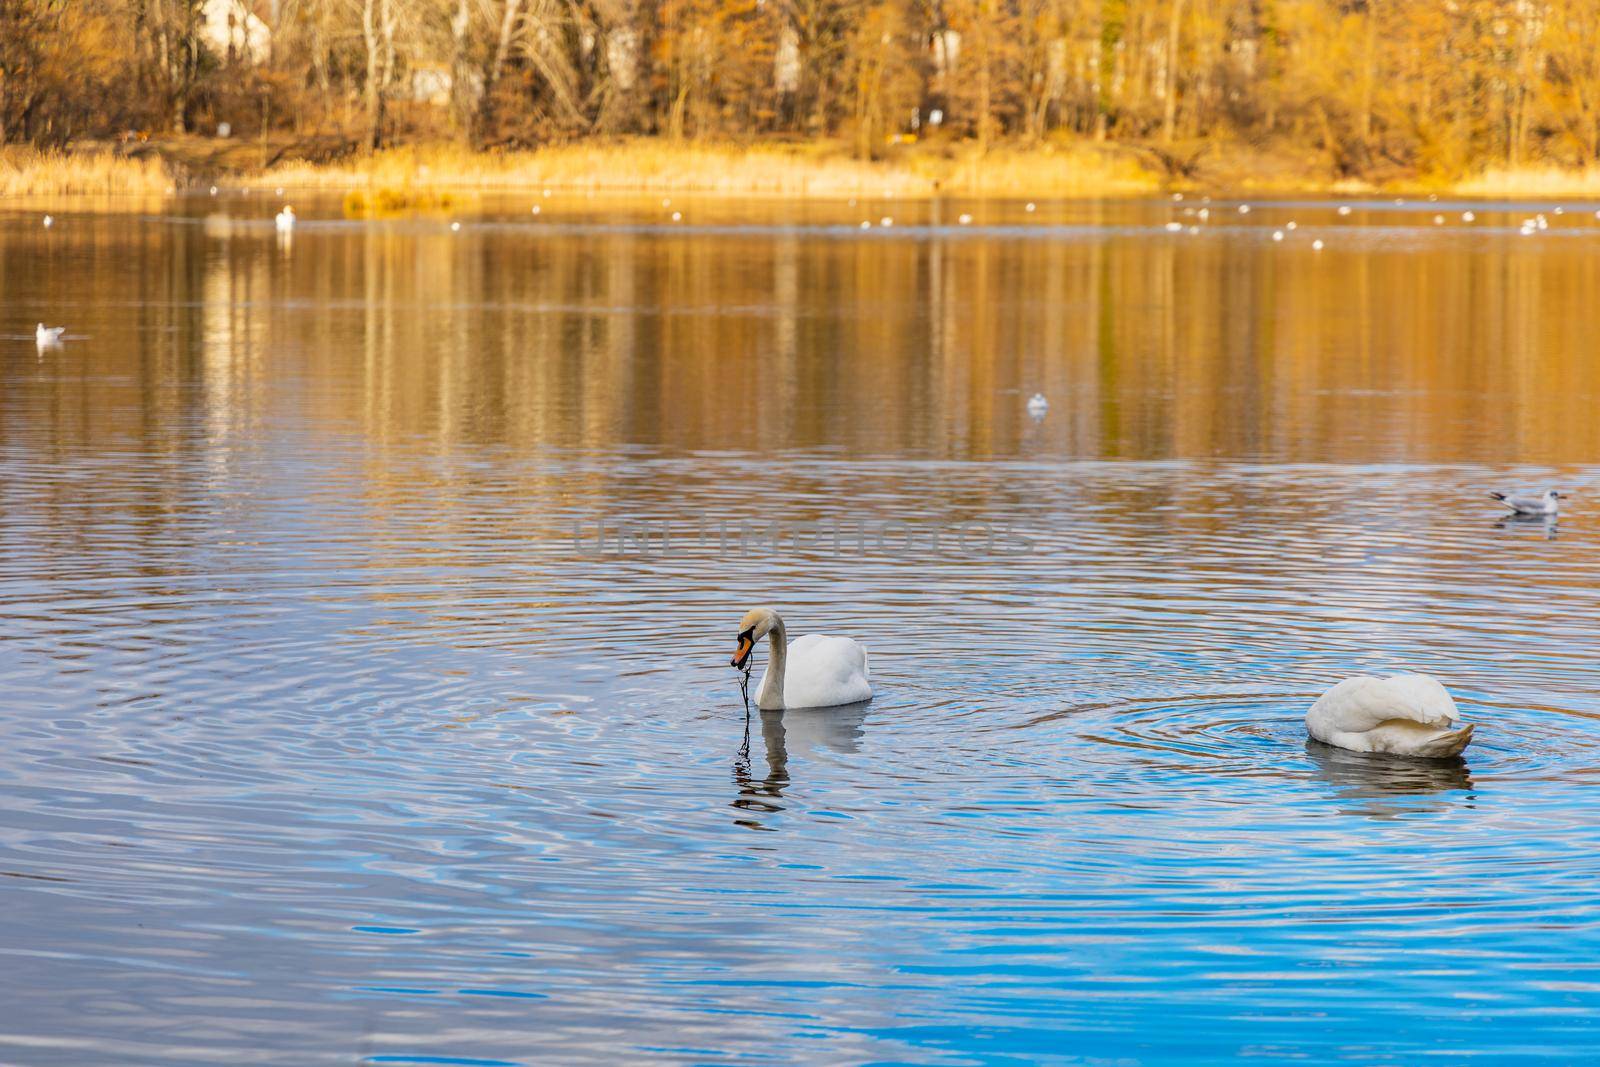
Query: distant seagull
{"points": [[455, 227], [1277, 235], [1029, 207], [49, 222], [1344, 209], [1244, 209], [1038, 405], [886, 221], [1467, 216], [1549, 504], [1316, 246], [965, 220], [48, 336], [285, 220]]}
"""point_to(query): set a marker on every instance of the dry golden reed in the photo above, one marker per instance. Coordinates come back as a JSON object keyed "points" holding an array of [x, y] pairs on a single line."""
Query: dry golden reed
{"points": [[1532, 182], [766, 170], [31, 172]]}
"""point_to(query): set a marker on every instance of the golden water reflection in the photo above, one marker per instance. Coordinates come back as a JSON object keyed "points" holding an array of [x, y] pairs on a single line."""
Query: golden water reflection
{"points": [[1442, 348]]}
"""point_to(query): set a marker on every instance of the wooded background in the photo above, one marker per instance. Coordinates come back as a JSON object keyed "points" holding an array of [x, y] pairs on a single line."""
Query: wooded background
{"points": [[1434, 86]]}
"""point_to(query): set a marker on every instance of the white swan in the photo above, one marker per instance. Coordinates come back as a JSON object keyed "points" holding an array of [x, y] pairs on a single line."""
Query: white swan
{"points": [[1407, 715], [813, 672], [284, 220], [48, 336]]}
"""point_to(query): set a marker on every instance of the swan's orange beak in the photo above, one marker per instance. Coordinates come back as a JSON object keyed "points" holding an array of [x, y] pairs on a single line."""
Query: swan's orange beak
{"points": [[742, 653]]}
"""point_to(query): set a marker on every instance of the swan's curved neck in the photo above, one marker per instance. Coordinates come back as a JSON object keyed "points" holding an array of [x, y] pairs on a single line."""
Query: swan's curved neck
{"points": [[770, 696]]}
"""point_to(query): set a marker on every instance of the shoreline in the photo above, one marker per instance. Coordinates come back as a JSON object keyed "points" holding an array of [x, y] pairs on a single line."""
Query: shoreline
{"points": [[822, 171]]}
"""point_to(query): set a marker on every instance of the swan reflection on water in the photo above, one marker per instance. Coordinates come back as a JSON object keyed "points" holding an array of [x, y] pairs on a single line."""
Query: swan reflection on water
{"points": [[1388, 787], [800, 731]]}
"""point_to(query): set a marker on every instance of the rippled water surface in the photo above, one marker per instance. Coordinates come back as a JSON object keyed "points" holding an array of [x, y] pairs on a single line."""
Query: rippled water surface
{"points": [[366, 601]]}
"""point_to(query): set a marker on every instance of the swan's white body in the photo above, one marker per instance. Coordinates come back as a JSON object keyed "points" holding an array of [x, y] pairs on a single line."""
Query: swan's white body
{"points": [[1407, 715], [814, 671], [1038, 405], [48, 336], [285, 220]]}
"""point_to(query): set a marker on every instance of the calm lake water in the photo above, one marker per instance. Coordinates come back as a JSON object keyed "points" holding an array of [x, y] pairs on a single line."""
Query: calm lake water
{"points": [[366, 601]]}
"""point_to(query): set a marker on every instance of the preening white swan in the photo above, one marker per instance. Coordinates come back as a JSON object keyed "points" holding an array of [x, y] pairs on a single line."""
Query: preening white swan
{"points": [[284, 220], [1407, 715], [813, 672]]}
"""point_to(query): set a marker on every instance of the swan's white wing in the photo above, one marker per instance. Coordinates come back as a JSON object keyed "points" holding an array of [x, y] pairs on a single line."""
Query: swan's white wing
{"points": [[823, 671], [1359, 704]]}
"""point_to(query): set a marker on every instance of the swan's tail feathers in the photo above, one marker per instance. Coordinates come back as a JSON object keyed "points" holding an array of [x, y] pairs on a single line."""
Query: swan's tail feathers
{"points": [[1446, 744], [1498, 496]]}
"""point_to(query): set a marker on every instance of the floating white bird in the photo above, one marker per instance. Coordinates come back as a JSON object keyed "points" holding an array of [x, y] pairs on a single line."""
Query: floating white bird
{"points": [[1438, 220], [1344, 209], [284, 220], [1407, 715], [1205, 213], [48, 336], [865, 225], [1277, 235], [964, 219], [677, 216], [1030, 207], [213, 190], [1174, 227], [813, 672], [886, 221], [1467, 216], [49, 222], [1549, 504], [1038, 405], [1244, 209], [455, 227], [1316, 246], [536, 209], [1291, 224]]}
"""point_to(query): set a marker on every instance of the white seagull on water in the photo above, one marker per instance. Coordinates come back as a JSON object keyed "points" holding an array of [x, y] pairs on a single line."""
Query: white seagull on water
{"points": [[1549, 504], [48, 336], [1038, 405]]}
